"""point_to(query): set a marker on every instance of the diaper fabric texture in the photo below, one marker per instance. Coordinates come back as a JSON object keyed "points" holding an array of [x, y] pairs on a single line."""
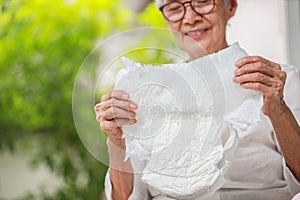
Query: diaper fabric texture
{"points": [[188, 118]]}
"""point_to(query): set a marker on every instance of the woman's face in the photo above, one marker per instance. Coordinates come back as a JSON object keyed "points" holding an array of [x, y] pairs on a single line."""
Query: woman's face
{"points": [[209, 30]]}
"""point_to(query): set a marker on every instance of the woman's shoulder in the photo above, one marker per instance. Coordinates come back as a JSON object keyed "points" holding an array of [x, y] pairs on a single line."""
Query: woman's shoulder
{"points": [[292, 86], [290, 68], [292, 75]]}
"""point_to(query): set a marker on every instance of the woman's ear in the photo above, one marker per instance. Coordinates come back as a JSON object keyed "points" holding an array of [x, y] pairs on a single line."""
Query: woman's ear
{"points": [[231, 8]]}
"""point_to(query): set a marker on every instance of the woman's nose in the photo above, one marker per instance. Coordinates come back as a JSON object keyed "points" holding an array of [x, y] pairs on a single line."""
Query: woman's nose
{"points": [[190, 15]]}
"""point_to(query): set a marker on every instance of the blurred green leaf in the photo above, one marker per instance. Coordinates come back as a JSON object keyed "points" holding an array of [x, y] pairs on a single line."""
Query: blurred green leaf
{"points": [[42, 45]]}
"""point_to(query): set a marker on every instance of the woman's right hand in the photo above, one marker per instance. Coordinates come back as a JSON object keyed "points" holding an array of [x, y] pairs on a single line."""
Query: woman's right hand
{"points": [[114, 111]]}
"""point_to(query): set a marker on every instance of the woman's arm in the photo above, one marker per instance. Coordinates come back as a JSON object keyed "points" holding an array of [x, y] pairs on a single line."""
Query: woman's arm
{"points": [[288, 135], [114, 111], [257, 73], [120, 172]]}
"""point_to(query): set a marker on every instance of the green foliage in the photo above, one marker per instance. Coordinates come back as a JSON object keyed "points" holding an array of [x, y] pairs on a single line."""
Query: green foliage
{"points": [[42, 44]]}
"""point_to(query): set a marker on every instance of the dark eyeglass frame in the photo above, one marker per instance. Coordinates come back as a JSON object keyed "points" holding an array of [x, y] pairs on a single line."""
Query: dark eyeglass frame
{"points": [[184, 9]]}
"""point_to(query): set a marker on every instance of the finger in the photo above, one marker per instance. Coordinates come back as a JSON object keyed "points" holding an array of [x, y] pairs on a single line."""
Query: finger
{"points": [[262, 68], [278, 87], [253, 59], [256, 63], [267, 91], [118, 134], [248, 60], [281, 75], [257, 67], [125, 105], [97, 107], [118, 94], [111, 129], [114, 112], [275, 65], [122, 122], [255, 77]]}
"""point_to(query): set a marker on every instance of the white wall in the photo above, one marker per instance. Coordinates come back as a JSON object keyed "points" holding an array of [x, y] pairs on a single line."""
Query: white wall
{"points": [[293, 27], [260, 27]]}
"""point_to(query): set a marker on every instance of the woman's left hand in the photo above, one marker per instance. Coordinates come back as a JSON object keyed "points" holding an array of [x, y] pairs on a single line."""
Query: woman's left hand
{"points": [[257, 73]]}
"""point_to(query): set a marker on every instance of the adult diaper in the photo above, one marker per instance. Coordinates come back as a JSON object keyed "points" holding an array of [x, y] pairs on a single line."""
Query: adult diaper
{"points": [[188, 118]]}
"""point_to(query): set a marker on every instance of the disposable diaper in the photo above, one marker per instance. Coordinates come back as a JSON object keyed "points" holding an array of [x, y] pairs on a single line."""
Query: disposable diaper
{"points": [[189, 118]]}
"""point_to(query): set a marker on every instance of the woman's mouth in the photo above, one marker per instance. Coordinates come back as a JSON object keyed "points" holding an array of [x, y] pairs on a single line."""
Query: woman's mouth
{"points": [[197, 34]]}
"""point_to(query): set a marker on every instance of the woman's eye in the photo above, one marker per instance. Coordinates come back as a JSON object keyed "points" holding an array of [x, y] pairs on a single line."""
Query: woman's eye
{"points": [[201, 1], [174, 8]]}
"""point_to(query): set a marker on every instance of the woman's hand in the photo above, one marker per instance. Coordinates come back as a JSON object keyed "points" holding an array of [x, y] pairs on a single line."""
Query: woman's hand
{"points": [[257, 73], [114, 111]]}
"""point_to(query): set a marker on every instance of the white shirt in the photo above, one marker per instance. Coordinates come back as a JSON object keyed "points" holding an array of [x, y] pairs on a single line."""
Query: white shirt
{"points": [[258, 170]]}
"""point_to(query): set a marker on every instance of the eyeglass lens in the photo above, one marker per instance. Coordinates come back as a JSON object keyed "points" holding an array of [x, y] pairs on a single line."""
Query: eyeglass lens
{"points": [[175, 11]]}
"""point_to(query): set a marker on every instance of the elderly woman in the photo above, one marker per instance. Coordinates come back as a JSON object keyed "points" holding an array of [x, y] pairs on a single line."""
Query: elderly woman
{"points": [[267, 161]]}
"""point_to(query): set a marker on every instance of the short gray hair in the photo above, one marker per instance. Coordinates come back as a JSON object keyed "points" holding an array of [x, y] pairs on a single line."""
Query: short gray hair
{"points": [[159, 3]]}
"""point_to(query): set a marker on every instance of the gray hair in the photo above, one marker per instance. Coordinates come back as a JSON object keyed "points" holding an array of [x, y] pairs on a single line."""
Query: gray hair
{"points": [[159, 3]]}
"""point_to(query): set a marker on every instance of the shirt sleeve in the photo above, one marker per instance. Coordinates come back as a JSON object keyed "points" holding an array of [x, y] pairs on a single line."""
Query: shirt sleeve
{"points": [[292, 90], [140, 190], [292, 183]]}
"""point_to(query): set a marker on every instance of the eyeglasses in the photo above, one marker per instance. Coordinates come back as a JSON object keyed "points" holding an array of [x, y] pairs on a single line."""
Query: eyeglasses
{"points": [[175, 11]]}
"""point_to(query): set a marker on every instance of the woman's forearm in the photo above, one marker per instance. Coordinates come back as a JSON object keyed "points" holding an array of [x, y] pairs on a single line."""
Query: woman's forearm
{"points": [[122, 184], [288, 135], [121, 173]]}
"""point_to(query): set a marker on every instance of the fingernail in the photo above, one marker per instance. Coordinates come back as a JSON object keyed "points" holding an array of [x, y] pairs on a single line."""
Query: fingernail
{"points": [[235, 79], [97, 108], [237, 63], [133, 105], [125, 96], [237, 71]]}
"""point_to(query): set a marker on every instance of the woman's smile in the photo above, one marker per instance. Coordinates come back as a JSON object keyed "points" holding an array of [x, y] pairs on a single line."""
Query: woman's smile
{"points": [[197, 34]]}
